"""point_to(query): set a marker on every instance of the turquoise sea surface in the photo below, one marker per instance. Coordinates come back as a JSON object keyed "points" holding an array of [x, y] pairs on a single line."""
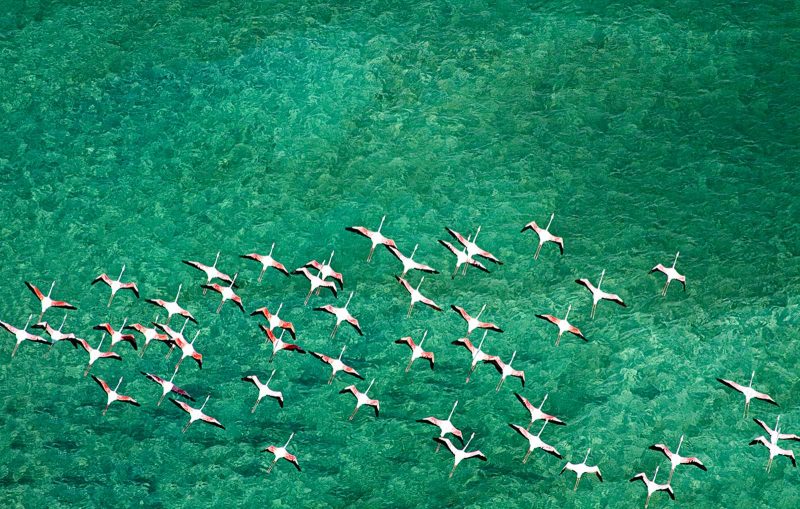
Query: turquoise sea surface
{"points": [[149, 132]]}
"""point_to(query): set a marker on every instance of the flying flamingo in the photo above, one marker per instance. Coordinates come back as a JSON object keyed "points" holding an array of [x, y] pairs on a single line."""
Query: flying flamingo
{"points": [[775, 432], [749, 392], [671, 274], [116, 285], [582, 468], [460, 454], [474, 322], [445, 426], [55, 334], [278, 344], [337, 365], [326, 271], [174, 336], [535, 441], [416, 295], [95, 353], [264, 390], [112, 394], [316, 282], [598, 294], [362, 399], [506, 370], [282, 453], [544, 235], [461, 258], [266, 262], [149, 334], [23, 335], [196, 414], [472, 247], [652, 486], [342, 315], [172, 307], [477, 354], [117, 335], [376, 237], [275, 320], [167, 386], [46, 301], [187, 350], [676, 459], [774, 449], [409, 263], [211, 272], [536, 412], [563, 325], [227, 293], [416, 350]]}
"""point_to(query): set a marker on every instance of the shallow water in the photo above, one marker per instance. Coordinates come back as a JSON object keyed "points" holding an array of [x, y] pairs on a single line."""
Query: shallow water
{"points": [[147, 133]]}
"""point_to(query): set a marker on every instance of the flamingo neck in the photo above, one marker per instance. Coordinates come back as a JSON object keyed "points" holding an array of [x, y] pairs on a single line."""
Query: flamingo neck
{"points": [[543, 400], [270, 377], [121, 273], [28, 322], [475, 239], [173, 376], [655, 474], [279, 309], [381, 225], [63, 321], [179, 292], [348, 300], [680, 442], [550, 222], [184, 326], [118, 384], [512, 357], [124, 322], [540, 431], [290, 439], [481, 343], [204, 403], [752, 375], [195, 338], [420, 282], [569, 308], [452, 411], [216, 260], [342, 352], [468, 441], [587, 455], [481, 311], [424, 335], [330, 259], [101, 343], [271, 248], [280, 338], [369, 387], [413, 252], [234, 279], [51, 288], [602, 274]]}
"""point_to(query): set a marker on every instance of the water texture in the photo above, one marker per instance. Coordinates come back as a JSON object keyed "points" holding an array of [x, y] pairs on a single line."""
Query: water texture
{"points": [[146, 133]]}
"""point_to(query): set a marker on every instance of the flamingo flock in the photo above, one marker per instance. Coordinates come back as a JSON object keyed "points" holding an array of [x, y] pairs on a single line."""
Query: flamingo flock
{"points": [[322, 275]]}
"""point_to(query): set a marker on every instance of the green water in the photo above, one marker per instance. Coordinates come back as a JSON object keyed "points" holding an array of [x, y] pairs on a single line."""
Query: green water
{"points": [[145, 133]]}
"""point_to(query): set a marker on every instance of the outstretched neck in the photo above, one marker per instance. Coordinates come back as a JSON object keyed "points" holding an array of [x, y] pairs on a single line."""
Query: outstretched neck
{"points": [[180, 286], [602, 275], [271, 249], [381, 225], [290, 439], [752, 375], [204, 403], [452, 411], [569, 308], [587, 455], [121, 273], [270, 377], [28, 322], [424, 335], [413, 252], [118, 384], [216, 259], [481, 311], [676, 259], [540, 431], [51, 288], [420, 282], [468, 441], [342, 352], [348, 300], [369, 387], [543, 400], [551, 221]]}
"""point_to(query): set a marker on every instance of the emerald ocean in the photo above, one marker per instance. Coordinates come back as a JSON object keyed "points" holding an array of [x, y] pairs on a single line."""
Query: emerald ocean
{"points": [[145, 133]]}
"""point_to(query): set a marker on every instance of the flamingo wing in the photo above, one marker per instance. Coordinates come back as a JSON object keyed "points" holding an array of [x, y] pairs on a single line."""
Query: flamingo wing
{"points": [[461, 311], [183, 406], [662, 448], [549, 318], [351, 389], [549, 449], [449, 246], [314, 264], [447, 443], [7, 326], [476, 454], [326, 308], [212, 421], [460, 238], [641, 476], [132, 287], [475, 263], [128, 399], [196, 265], [466, 343], [102, 383], [732, 385], [62, 304], [430, 303], [359, 230], [522, 431], [765, 397], [35, 290], [291, 458], [102, 277], [157, 379], [181, 392], [531, 226], [694, 461], [351, 371], [405, 284], [428, 356], [352, 321]]}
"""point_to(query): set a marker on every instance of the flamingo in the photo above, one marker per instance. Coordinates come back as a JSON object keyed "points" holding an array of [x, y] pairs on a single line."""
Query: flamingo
{"points": [[149, 334], [116, 285], [264, 390], [409, 263], [445, 426], [749, 392], [167, 386], [477, 354], [316, 282], [282, 453], [676, 459], [227, 293], [23, 335], [416, 296], [376, 237], [671, 274], [95, 353], [55, 334], [46, 301], [117, 335], [460, 454], [461, 258], [582, 468], [474, 322], [362, 399], [471, 246], [598, 294], [775, 432], [652, 486], [211, 272], [544, 235], [275, 320], [342, 315], [506, 370], [278, 343], [416, 350], [172, 307], [563, 325], [326, 271], [337, 365], [266, 262], [112, 394], [536, 412], [196, 414], [187, 350], [774, 449], [174, 336], [535, 441]]}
